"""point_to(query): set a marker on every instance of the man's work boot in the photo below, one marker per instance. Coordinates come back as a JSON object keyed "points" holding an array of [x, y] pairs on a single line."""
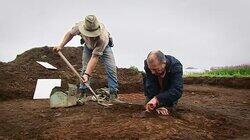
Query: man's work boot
{"points": [[113, 98]]}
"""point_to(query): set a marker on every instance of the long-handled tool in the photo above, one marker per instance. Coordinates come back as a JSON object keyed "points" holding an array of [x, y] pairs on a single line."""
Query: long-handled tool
{"points": [[81, 80]]}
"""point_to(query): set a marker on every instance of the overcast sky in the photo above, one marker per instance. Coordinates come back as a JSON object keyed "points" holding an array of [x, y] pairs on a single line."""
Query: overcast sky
{"points": [[200, 33]]}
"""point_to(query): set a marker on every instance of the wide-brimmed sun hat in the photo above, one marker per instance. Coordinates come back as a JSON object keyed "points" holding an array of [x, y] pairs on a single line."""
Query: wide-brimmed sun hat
{"points": [[90, 27]]}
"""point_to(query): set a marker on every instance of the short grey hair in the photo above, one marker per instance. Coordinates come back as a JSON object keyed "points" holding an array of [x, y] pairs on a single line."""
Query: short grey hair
{"points": [[156, 54]]}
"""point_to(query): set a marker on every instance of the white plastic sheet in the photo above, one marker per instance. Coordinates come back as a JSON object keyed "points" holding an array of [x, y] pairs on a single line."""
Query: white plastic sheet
{"points": [[44, 88], [46, 65]]}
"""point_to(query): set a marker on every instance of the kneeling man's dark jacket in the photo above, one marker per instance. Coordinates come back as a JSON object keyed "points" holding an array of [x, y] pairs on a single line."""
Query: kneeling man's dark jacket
{"points": [[172, 83]]}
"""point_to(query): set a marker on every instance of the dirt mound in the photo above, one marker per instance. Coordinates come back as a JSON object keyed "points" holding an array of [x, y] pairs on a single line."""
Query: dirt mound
{"points": [[18, 78], [232, 82]]}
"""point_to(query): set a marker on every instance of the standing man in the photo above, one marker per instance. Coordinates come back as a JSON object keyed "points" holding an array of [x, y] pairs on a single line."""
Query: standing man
{"points": [[163, 84], [96, 46]]}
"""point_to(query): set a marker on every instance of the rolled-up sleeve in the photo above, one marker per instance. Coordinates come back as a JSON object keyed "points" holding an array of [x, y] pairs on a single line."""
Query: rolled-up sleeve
{"points": [[99, 49], [75, 31]]}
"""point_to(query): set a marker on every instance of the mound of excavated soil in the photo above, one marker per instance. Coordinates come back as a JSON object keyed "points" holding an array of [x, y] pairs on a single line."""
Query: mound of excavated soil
{"points": [[18, 78]]}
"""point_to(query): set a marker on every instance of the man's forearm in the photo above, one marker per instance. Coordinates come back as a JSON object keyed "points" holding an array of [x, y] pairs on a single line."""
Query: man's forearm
{"points": [[68, 36], [91, 65]]}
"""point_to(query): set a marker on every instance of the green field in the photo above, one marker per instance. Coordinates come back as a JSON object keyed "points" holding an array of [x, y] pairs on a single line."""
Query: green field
{"points": [[232, 71]]}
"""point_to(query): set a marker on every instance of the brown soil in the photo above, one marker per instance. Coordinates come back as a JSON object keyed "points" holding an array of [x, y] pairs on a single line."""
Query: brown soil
{"points": [[204, 111], [18, 78]]}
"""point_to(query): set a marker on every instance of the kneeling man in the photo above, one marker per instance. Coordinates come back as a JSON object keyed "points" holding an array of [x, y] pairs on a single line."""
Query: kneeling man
{"points": [[163, 84]]}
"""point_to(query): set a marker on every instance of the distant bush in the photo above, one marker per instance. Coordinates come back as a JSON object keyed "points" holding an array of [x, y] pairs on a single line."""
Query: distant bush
{"points": [[134, 68], [229, 71]]}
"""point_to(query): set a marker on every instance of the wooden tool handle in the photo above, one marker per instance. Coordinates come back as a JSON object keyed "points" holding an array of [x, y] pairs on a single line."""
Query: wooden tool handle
{"points": [[74, 70]]}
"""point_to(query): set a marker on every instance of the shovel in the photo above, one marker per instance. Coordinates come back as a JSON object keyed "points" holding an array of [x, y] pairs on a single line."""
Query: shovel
{"points": [[81, 80]]}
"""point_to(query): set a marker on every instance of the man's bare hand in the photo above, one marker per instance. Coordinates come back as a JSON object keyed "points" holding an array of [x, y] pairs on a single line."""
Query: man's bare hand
{"points": [[85, 78], [152, 104], [162, 111], [57, 49]]}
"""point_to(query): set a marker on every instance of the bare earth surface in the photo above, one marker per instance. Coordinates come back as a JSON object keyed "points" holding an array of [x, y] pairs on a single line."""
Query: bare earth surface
{"points": [[204, 112], [211, 108]]}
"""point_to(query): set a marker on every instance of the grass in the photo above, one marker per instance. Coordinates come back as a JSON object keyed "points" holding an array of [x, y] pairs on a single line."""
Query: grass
{"points": [[232, 71]]}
